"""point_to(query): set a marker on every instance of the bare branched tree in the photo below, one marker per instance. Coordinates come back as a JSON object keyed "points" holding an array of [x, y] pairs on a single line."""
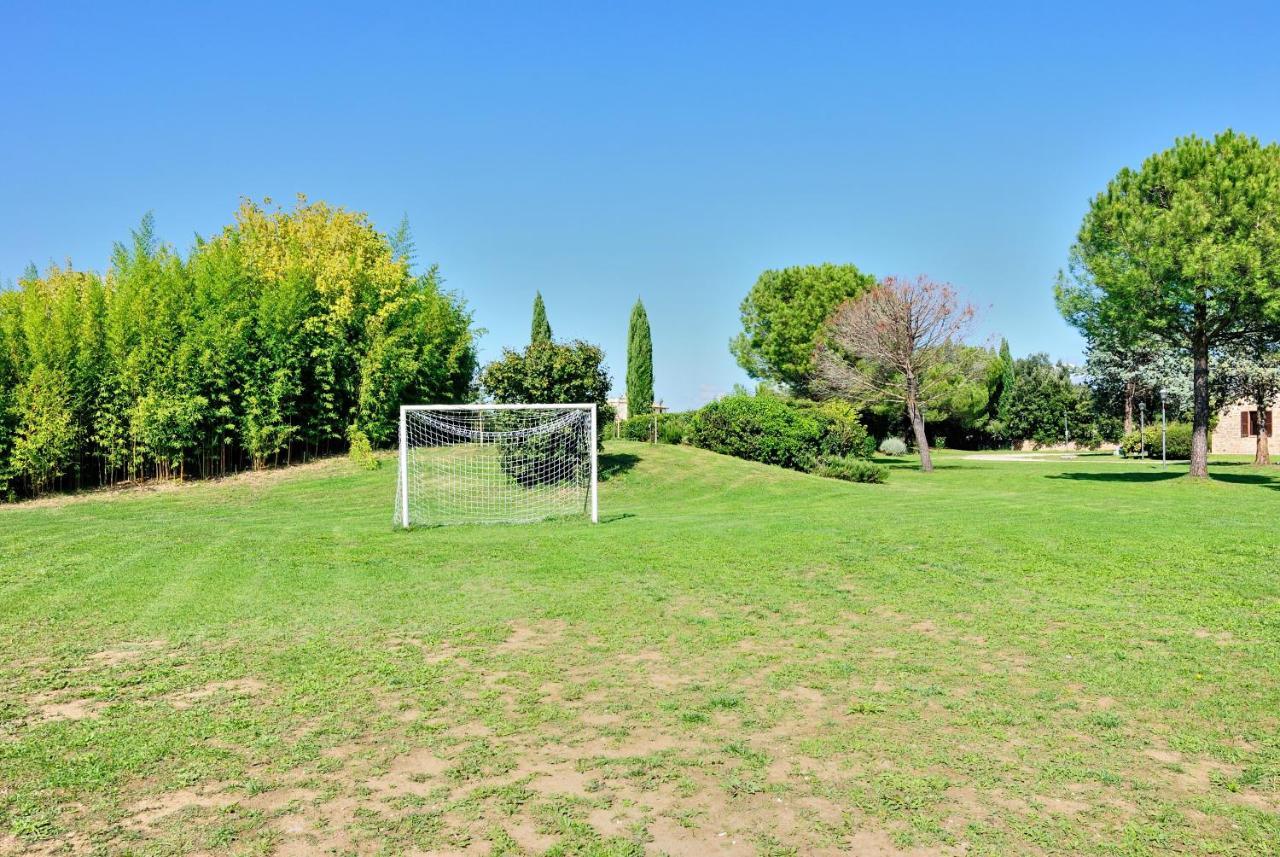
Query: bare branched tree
{"points": [[899, 342]]}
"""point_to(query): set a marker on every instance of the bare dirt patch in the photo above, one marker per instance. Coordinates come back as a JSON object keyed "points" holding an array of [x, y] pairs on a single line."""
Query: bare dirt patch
{"points": [[68, 709], [125, 652], [411, 773], [533, 635], [1165, 757], [234, 687], [806, 698], [432, 653], [876, 843], [645, 656], [278, 800], [72, 843], [1062, 805], [147, 813], [1222, 638], [60, 705], [319, 828]]}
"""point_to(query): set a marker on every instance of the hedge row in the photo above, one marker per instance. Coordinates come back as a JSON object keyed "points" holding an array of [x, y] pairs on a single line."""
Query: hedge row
{"points": [[772, 430], [1178, 440], [671, 427]]}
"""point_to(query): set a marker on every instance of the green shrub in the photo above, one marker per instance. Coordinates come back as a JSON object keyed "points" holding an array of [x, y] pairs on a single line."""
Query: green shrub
{"points": [[850, 469], [523, 456], [671, 428], [547, 372], [360, 450], [636, 428], [774, 430], [893, 446], [1179, 441], [842, 431], [758, 428]]}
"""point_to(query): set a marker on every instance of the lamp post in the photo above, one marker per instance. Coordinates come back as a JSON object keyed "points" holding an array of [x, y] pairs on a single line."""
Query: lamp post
{"points": [[1164, 437], [1142, 429]]}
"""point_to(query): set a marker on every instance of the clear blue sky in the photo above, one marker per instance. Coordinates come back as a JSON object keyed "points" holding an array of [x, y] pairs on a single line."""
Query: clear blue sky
{"points": [[602, 151]]}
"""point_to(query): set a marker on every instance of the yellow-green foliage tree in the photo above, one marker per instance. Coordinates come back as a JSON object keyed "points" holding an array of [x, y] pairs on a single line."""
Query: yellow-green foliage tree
{"points": [[279, 337]]}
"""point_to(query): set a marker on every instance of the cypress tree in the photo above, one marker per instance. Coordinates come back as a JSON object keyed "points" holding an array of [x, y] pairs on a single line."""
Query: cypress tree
{"points": [[541, 331], [1005, 396], [639, 362]]}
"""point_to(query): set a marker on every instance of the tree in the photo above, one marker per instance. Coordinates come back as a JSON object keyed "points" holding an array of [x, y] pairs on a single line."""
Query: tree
{"points": [[999, 389], [1045, 404], [899, 342], [1137, 373], [1124, 363], [1187, 249], [782, 319], [1252, 373], [11, 342], [957, 414], [288, 333], [549, 373], [541, 329], [963, 398], [45, 441], [421, 349], [639, 362], [401, 241]]}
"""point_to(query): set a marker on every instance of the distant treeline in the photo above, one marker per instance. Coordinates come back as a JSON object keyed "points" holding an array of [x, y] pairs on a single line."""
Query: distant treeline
{"points": [[280, 338]]}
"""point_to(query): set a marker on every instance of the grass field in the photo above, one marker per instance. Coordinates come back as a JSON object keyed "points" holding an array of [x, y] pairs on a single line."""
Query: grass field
{"points": [[1068, 657]]}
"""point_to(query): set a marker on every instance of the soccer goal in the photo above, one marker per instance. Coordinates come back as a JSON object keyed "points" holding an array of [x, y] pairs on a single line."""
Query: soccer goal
{"points": [[490, 464]]}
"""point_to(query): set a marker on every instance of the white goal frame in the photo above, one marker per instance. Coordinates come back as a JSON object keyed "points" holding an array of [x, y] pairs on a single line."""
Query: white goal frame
{"points": [[593, 440]]}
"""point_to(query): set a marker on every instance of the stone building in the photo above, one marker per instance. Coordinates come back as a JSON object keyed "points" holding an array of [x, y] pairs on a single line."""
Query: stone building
{"points": [[621, 412], [1237, 430]]}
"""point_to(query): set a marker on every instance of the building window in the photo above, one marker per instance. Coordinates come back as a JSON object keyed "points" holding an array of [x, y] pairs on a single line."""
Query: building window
{"points": [[1249, 423]]}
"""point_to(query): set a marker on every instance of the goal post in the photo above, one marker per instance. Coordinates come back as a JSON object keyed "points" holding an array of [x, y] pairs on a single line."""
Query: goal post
{"points": [[496, 463]]}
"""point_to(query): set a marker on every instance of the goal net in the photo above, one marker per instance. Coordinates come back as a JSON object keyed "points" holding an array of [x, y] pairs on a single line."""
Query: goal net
{"points": [[488, 464]]}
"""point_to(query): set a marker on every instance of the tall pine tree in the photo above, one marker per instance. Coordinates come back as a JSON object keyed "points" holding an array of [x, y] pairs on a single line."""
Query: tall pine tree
{"points": [[639, 363], [541, 331]]}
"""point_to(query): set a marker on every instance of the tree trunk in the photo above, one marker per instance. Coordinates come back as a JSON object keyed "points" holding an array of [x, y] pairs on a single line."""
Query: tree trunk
{"points": [[1200, 390], [1130, 393], [917, 426], [1262, 456]]}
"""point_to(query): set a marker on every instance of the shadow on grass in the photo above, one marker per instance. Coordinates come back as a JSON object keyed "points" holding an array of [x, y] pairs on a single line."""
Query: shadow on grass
{"points": [[613, 464], [910, 462], [1215, 466], [1125, 476], [1262, 479]]}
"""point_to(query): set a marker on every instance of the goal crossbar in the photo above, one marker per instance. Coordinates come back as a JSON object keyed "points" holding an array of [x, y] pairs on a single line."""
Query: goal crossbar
{"points": [[502, 463]]}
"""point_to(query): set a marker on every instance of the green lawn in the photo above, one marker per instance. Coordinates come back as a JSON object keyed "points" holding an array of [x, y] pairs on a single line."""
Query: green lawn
{"points": [[1068, 657]]}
